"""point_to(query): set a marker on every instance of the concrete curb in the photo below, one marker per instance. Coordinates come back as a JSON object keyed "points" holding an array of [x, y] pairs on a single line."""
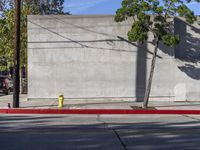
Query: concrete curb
{"points": [[98, 111]]}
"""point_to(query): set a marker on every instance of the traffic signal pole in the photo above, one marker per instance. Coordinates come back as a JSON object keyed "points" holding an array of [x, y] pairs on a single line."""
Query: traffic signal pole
{"points": [[16, 79]]}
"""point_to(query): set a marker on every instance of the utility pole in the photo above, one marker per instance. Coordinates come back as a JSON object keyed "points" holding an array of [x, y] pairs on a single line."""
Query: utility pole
{"points": [[16, 85]]}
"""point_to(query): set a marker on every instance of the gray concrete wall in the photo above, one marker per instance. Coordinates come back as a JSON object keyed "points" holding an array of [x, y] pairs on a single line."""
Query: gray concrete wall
{"points": [[89, 57]]}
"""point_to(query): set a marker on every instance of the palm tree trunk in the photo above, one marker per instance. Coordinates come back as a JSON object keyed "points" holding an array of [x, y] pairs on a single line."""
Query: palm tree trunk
{"points": [[148, 87]]}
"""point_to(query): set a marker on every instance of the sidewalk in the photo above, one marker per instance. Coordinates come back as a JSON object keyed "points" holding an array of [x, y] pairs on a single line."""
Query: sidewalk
{"points": [[52, 104]]}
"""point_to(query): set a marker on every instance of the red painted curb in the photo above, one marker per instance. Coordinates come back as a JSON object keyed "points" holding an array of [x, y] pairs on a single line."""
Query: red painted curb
{"points": [[96, 111]]}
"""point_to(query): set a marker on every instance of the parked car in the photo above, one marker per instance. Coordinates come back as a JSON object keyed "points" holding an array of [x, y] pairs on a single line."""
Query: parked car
{"points": [[6, 84]]}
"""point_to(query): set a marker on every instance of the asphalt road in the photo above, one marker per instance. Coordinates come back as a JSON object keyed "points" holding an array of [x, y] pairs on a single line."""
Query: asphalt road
{"points": [[116, 132]]}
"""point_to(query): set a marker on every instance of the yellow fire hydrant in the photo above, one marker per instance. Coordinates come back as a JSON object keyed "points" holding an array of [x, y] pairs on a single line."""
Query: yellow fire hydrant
{"points": [[60, 101]]}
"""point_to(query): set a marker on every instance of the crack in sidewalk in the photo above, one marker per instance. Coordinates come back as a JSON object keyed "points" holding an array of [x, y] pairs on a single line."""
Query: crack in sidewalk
{"points": [[115, 132], [187, 116], [120, 139]]}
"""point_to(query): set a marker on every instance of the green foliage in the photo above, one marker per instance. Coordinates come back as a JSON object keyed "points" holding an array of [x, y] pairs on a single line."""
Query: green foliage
{"points": [[138, 32], [170, 39], [46, 6], [38, 6], [7, 32], [142, 10], [7, 28]]}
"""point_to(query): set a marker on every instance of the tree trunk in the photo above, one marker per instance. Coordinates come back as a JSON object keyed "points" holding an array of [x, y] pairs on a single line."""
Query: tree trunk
{"points": [[148, 87]]}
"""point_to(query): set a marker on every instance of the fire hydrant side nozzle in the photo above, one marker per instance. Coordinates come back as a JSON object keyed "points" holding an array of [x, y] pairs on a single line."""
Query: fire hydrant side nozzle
{"points": [[60, 101]]}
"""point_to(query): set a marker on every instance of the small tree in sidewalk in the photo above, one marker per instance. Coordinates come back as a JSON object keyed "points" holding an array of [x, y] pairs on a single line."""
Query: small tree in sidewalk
{"points": [[159, 25]]}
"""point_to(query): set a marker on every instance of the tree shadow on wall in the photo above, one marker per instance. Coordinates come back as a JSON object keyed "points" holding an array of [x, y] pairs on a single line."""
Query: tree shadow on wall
{"points": [[192, 71], [141, 71], [141, 68], [188, 50]]}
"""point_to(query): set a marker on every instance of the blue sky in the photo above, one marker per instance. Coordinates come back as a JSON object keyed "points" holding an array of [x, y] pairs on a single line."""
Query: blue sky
{"points": [[104, 6]]}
